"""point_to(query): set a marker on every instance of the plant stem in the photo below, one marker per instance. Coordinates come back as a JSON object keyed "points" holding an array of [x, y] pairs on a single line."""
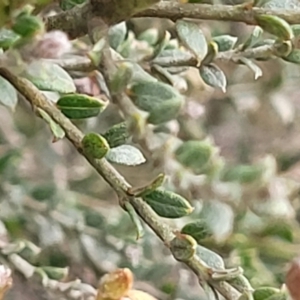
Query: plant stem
{"points": [[75, 21]]}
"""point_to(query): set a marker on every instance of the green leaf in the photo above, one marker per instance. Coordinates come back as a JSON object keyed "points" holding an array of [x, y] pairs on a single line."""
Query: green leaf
{"points": [[252, 66], [296, 29], [117, 34], [167, 204], [126, 155], [293, 57], [212, 52], [160, 100], [135, 220], [198, 230], [225, 42], [68, 4], [242, 284], [117, 135], [56, 130], [95, 145], [8, 94], [162, 44], [79, 106], [28, 25], [264, 293], [212, 259], [151, 36], [50, 77], [170, 57], [162, 74], [183, 247], [195, 154], [242, 173], [212, 75], [253, 38], [56, 273], [145, 190], [9, 159], [95, 54], [279, 4], [140, 75], [7, 38], [121, 78], [279, 229], [192, 38], [275, 26]]}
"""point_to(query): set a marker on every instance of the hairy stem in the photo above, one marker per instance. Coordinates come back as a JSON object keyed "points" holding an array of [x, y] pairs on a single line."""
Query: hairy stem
{"points": [[75, 21]]}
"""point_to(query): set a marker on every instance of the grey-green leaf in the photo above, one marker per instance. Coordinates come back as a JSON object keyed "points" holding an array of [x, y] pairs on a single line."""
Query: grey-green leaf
{"points": [[116, 35], [183, 247], [8, 94], [293, 57], [225, 42], [125, 155], [167, 204], [192, 38], [117, 135], [95, 145], [7, 38], [252, 66], [195, 154], [56, 130], [212, 75], [253, 38], [160, 100], [199, 230], [264, 293], [50, 77], [211, 258]]}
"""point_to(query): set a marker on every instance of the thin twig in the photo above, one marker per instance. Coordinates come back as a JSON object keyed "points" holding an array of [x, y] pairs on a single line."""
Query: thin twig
{"points": [[75, 21]]}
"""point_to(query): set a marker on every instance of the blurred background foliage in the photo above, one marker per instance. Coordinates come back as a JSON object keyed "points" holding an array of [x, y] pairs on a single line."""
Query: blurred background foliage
{"points": [[52, 197]]}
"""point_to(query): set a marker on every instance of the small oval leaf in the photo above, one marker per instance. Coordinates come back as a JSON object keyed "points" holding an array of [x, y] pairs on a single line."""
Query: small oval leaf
{"points": [[211, 258], [126, 155], [253, 39], [293, 57], [95, 145], [143, 191], [56, 130], [117, 34], [160, 100], [275, 26], [225, 42], [195, 154], [50, 77], [212, 75], [28, 25], [7, 38], [56, 273], [68, 4], [183, 247], [135, 220], [117, 135], [121, 78], [8, 94], [167, 204], [242, 173], [252, 66], [264, 293], [79, 106], [192, 38], [198, 230]]}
